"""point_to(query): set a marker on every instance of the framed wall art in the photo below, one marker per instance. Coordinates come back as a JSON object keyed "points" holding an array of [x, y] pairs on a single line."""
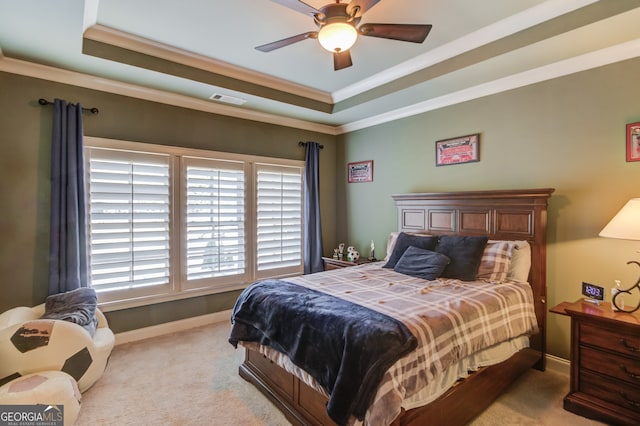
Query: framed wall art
{"points": [[633, 141], [462, 149], [360, 171]]}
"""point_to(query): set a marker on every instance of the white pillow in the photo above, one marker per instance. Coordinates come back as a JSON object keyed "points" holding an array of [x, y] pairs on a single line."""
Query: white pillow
{"points": [[520, 262], [391, 242]]}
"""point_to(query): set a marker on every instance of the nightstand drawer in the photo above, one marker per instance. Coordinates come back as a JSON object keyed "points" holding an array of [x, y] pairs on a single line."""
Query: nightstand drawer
{"points": [[605, 363], [622, 396], [609, 364], [611, 339]]}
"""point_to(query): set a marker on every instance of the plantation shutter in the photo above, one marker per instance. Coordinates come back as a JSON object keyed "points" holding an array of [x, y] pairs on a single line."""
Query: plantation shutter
{"points": [[215, 219], [129, 223], [279, 218], [167, 223]]}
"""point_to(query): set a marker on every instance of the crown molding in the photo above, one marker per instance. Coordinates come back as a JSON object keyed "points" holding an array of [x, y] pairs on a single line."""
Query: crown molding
{"points": [[114, 37], [609, 55], [617, 53], [44, 72], [506, 27]]}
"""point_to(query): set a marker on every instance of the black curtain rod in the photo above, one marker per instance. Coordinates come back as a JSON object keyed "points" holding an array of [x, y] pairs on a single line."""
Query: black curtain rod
{"points": [[43, 102], [304, 144]]}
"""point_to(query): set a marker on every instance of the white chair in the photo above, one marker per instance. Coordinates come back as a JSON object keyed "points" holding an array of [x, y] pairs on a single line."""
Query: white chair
{"points": [[29, 344]]}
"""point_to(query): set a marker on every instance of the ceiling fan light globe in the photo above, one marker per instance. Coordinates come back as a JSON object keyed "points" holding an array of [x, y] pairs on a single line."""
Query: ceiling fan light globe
{"points": [[337, 37]]}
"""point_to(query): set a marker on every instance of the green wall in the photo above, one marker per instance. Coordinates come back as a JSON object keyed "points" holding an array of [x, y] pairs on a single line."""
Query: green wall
{"points": [[24, 178], [567, 133]]}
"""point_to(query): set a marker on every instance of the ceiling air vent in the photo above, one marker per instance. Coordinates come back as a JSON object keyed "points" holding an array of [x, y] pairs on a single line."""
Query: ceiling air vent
{"points": [[227, 99]]}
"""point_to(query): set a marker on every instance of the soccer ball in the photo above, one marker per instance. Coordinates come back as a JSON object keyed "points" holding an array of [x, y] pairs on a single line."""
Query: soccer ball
{"points": [[45, 345], [51, 389], [352, 254]]}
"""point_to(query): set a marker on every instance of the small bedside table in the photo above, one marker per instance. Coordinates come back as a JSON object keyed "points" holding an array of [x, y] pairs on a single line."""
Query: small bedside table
{"points": [[605, 362], [331, 263]]}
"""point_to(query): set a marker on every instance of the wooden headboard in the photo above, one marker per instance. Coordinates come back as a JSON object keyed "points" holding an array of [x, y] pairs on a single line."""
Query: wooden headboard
{"points": [[519, 214]]}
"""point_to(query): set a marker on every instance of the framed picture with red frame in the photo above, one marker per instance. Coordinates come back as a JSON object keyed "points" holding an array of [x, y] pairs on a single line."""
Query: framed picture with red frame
{"points": [[633, 141], [360, 171], [462, 149]]}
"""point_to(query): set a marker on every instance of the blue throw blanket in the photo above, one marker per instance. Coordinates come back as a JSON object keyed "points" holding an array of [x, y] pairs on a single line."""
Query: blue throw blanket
{"points": [[77, 306], [346, 347]]}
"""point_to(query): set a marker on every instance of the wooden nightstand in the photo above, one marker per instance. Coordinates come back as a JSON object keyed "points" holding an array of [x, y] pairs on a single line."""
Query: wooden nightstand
{"points": [[605, 362], [331, 263]]}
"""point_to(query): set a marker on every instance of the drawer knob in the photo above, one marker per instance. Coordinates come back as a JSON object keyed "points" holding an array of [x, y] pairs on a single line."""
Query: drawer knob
{"points": [[628, 346], [629, 401], [629, 373]]}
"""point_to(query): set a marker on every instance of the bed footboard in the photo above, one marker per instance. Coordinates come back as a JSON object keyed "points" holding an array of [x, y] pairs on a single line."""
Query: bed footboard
{"points": [[300, 404]]}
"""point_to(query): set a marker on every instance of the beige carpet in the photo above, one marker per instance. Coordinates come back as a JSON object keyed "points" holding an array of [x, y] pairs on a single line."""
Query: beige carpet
{"points": [[191, 378]]}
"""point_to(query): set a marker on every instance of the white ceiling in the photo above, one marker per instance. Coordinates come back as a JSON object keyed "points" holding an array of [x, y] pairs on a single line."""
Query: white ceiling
{"points": [[190, 49]]}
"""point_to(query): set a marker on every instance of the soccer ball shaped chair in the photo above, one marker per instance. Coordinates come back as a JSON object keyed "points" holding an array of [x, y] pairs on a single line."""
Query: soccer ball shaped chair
{"points": [[30, 344], [49, 389]]}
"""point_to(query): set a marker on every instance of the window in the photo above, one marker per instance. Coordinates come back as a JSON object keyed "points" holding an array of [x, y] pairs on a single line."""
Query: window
{"points": [[167, 222], [279, 218], [214, 221], [129, 204]]}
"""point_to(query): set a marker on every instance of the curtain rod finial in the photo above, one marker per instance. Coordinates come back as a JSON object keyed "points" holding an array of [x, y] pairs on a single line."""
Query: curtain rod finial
{"points": [[93, 110], [305, 143]]}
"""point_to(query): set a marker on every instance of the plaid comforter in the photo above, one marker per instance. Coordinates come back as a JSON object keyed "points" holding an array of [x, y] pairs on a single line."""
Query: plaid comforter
{"points": [[451, 319]]}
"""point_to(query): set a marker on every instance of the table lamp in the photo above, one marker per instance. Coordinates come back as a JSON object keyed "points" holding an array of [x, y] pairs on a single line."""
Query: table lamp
{"points": [[626, 226]]}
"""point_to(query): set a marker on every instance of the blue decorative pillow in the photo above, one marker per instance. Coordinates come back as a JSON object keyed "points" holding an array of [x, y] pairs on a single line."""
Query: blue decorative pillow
{"points": [[405, 241], [421, 263], [465, 254]]}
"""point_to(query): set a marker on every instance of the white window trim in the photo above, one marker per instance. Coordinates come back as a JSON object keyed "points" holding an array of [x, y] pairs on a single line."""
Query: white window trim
{"points": [[176, 290]]}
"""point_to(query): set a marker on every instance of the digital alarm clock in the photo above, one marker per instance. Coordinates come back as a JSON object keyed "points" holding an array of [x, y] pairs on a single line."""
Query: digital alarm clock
{"points": [[593, 293]]}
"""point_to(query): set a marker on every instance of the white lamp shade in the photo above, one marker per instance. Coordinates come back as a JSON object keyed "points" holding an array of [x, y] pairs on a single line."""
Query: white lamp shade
{"points": [[337, 37], [626, 224]]}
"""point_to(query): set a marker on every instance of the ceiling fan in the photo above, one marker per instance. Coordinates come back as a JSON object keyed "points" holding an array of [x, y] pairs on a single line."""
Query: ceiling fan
{"points": [[338, 31]]}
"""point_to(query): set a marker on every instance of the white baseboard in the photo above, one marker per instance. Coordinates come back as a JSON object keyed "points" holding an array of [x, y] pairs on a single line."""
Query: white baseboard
{"points": [[171, 327], [557, 364]]}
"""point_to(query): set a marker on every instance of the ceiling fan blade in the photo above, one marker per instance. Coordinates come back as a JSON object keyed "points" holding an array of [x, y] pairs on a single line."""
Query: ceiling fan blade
{"points": [[341, 60], [298, 6], [404, 32], [362, 5], [287, 41]]}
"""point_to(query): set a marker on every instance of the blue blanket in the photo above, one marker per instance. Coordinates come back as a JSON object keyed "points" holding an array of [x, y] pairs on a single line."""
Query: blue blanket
{"points": [[77, 306], [346, 347]]}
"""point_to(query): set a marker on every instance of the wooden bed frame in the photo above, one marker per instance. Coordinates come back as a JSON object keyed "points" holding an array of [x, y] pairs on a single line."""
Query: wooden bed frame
{"points": [[500, 214]]}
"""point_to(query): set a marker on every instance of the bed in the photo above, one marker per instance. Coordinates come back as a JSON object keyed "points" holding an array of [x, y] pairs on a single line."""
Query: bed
{"points": [[501, 216]]}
